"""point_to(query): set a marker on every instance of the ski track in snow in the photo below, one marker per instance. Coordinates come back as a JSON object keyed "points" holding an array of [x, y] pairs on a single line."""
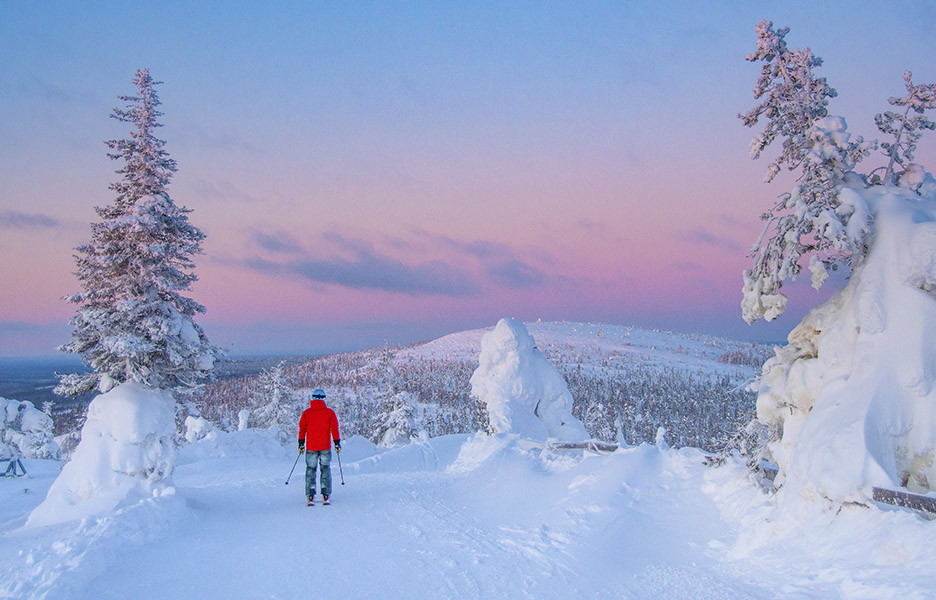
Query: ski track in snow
{"points": [[456, 517]]}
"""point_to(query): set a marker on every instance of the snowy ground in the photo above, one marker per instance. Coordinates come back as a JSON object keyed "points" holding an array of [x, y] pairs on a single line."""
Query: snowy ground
{"points": [[459, 517]]}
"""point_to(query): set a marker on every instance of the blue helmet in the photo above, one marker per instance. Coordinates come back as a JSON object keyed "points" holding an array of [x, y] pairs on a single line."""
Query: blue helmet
{"points": [[318, 393]]}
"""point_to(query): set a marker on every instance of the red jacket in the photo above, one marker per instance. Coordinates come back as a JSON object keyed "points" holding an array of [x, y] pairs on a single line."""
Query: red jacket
{"points": [[315, 425]]}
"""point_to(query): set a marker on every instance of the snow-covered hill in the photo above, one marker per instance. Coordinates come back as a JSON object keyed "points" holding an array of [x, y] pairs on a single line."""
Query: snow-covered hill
{"points": [[598, 346], [458, 517], [626, 383]]}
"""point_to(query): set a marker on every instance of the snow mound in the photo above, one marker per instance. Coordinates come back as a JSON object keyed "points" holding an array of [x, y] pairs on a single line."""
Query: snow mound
{"points": [[430, 455], [126, 453], [853, 393], [523, 391], [245, 443], [25, 431]]}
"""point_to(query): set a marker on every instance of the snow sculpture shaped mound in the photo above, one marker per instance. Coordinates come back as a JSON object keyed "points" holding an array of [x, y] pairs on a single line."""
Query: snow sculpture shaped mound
{"points": [[853, 392], [524, 392], [126, 452], [25, 431]]}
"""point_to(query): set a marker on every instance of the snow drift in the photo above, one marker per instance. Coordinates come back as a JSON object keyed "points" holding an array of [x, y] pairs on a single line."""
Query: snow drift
{"points": [[523, 391], [126, 452], [852, 394]]}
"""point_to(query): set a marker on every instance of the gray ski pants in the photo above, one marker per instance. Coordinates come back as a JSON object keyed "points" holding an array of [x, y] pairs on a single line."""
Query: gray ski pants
{"points": [[314, 459]]}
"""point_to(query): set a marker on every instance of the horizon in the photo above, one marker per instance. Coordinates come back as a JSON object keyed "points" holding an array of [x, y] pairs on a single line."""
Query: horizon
{"points": [[393, 173], [60, 357]]}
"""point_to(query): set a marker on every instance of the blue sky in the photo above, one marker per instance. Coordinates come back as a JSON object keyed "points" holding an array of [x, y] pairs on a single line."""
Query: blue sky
{"points": [[393, 171]]}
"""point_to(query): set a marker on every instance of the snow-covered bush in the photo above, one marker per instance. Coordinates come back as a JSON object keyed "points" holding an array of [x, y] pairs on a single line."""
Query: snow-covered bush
{"points": [[25, 431], [126, 454], [523, 391], [197, 428], [399, 421]]}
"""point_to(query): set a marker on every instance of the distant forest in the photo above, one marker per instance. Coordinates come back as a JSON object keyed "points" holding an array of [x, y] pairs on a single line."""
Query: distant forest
{"points": [[622, 401]]}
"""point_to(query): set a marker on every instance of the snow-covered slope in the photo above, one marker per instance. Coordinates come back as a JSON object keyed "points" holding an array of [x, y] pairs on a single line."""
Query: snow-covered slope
{"points": [[458, 517], [595, 344]]}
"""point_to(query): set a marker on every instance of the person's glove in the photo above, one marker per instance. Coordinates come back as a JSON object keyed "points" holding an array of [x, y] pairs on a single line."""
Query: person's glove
{"points": [[338, 446], [301, 449]]}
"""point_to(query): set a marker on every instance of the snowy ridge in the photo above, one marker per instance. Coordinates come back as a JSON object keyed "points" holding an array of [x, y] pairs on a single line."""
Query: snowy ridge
{"points": [[597, 343]]}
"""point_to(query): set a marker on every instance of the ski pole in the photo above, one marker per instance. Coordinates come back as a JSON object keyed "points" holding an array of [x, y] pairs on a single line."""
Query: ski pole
{"points": [[340, 471], [293, 469]]}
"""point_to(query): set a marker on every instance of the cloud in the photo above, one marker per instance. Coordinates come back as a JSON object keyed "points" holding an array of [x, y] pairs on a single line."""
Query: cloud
{"points": [[221, 141], [499, 261], [368, 269], [687, 266], [222, 191], [594, 227], [702, 237], [730, 220], [707, 284], [278, 241], [49, 92], [16, 220], [517, 274], [479, 248]]}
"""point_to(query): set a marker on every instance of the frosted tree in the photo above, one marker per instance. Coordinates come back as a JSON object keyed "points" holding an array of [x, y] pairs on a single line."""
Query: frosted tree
{"points": [[398, 422], [275, 402], [133, 322], [859, 363], [813, 218], [600, 422], [906, 129]]}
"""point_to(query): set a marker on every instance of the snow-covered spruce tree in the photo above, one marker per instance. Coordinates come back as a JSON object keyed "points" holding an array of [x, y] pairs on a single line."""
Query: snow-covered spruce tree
{"points": [[398, 422], [850, 401], [906, 129], [813, 218], [134, 328], [133, 322], [275, 403]]}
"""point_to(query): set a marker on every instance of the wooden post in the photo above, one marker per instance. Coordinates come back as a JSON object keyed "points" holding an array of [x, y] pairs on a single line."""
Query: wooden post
{"points": [[594, 446], [905, 500]]}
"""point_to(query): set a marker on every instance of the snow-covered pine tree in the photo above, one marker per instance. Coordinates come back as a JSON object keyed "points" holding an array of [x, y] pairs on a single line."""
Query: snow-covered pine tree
{"points": [[906, 129], [275, 402], [857, 363], [399, 421], [600, 421], [133, 322], [813, 218]]}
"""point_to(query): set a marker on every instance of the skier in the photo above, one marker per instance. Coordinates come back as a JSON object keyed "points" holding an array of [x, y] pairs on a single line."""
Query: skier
{"points": [[317, 427]]}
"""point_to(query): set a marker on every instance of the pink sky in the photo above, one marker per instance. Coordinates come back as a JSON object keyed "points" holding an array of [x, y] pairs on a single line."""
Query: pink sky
{"points": [[393, 173]]}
